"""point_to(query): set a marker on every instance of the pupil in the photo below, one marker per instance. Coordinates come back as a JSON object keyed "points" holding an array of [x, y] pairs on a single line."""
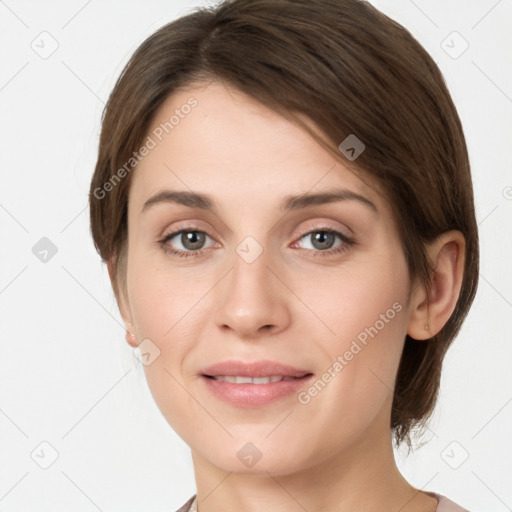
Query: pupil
{"points": [[192, 239], [321, 237]]}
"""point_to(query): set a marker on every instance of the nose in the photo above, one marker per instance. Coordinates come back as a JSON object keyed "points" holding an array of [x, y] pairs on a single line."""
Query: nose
{"points": [[252, 299]]}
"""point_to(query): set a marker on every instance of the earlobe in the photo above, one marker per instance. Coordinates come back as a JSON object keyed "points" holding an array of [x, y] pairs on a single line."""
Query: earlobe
{"points": [[131, 338], [431, 308]]}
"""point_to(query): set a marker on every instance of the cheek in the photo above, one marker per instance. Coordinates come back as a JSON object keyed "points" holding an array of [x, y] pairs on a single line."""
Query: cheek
{"points": [[363, 304], [167, 310], [366, 313], [162, 301]]}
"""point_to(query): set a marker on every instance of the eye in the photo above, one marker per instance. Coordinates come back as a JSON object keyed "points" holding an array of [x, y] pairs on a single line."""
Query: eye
{"points": [[323, 240], [191, 241]]}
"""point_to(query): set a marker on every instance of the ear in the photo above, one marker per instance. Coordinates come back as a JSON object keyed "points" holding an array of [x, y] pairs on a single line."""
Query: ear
{"points": [[431, 308], [122, 303]]}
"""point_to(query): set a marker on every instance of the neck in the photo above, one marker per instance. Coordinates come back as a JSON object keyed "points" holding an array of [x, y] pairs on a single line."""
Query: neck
{"points": [[362, 477]]}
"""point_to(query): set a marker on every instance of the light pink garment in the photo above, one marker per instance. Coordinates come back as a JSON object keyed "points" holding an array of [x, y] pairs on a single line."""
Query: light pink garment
{"points": [[444, 504]]}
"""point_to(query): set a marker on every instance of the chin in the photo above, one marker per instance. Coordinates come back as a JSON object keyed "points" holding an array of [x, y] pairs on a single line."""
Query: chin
{"points": [[264, 466], [258, 457]]}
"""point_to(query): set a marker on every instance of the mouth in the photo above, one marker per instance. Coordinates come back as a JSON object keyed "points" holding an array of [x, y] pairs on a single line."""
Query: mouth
{"points": [[253, 384], [242, 379], [237, 370]]}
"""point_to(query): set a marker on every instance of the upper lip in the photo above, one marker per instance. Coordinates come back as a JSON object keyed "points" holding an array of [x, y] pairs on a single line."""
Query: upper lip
{"points": [[263, 368]]}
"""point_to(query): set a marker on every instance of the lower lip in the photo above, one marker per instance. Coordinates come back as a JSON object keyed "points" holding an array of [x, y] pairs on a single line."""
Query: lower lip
{"points": [[254, 395]]}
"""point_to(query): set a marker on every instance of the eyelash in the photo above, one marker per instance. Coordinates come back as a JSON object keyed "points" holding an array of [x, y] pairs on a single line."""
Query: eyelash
{"points": [[345, 246]]}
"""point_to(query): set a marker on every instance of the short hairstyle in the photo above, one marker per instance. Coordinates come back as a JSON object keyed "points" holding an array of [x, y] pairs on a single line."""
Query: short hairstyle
{"points": [[351, 70]]}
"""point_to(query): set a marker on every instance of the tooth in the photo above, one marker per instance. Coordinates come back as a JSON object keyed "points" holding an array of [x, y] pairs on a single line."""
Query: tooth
{"points": [[261, 380], [243, 380], [236, 379]]}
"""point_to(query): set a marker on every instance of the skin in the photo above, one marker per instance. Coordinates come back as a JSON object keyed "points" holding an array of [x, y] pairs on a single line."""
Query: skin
{"points": [[333, 453]]}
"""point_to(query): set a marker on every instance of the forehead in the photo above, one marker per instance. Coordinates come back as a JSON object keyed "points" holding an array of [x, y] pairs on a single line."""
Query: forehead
{"points": [[216, 140]]}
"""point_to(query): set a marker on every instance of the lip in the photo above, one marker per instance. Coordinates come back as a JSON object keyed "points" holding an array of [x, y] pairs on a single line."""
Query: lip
{"points": [[263, 368], [254, 395]]}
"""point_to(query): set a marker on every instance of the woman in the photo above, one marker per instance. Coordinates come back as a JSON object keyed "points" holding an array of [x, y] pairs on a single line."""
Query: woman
{"points": [[284, 202]]}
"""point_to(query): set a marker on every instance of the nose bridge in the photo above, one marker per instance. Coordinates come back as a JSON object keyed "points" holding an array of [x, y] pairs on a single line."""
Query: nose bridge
{"points": [[251, 298], [250, 277], [250, 266]]}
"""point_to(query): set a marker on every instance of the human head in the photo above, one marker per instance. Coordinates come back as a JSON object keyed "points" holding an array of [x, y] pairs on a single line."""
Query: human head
{"points": [[350, 70]]}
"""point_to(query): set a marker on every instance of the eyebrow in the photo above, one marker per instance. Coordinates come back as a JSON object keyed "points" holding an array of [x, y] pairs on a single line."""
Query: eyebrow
{"points": [[297, 202]]}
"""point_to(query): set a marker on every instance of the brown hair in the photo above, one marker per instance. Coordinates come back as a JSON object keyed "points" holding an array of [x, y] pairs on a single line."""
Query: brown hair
{"points": [[351, 70]]}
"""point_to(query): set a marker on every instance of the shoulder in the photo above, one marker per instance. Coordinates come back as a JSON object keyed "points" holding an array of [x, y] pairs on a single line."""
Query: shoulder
{"points": [[189, 506], [446, 505]]}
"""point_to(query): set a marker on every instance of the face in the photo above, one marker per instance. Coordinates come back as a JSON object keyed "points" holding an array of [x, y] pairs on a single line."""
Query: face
{"points": [[255, 273]]}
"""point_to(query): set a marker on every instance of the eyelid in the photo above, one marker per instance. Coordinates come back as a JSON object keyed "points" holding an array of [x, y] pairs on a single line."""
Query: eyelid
{"points": [[314, 226], [322, 226], [189, 224]]}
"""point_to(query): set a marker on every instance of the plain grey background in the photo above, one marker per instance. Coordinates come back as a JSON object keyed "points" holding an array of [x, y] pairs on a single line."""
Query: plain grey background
{"points": [[79, 428]]}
